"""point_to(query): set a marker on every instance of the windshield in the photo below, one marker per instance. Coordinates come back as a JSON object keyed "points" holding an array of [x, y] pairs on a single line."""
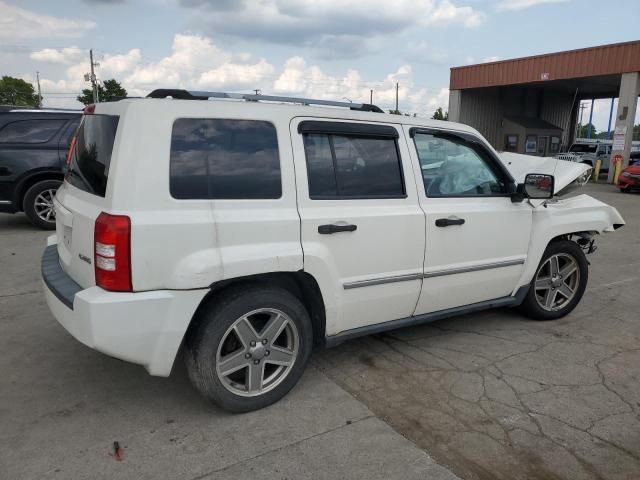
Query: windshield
{"points": [[90, 153], [582, 148]]}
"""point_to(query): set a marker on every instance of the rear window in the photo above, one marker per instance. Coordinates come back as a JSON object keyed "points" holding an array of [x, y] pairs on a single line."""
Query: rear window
{"points": [[224, 159], [90, 156], [30, 131]]}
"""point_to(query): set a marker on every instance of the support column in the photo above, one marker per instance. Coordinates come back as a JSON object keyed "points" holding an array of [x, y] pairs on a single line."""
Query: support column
{"points": [[626, 114], [455, 100]]}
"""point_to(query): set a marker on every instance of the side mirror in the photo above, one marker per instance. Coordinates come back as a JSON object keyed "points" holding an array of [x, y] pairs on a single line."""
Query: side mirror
{"points": [[538, 186]]}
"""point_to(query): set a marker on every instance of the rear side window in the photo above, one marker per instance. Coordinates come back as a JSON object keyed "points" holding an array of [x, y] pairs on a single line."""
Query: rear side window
{"points": [[90, 155], [346, 166], [224, 159], [30, 131]]}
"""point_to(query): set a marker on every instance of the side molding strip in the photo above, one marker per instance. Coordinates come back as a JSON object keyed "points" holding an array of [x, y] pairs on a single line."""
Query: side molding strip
{"points": [[437, 273], [380, 281], [474, 268]]}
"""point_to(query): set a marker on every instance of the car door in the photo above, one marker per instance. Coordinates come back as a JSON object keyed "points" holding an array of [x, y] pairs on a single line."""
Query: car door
{"points": [[362, 228], [476, 237]]}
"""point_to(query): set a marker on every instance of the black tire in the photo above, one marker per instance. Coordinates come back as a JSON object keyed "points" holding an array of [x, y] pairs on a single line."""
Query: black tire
{"points": [[625, 190], [211, 326], [531, 307], [29, 203]]}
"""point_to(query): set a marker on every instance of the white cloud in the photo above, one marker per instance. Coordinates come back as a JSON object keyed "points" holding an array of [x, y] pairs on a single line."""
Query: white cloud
{"points": [[196, 63], [492, 58], [18, 23], [336, 27], [522, 4], [63, 56]]}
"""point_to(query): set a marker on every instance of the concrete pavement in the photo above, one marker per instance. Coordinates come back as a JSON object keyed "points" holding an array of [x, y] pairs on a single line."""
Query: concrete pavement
{"points": [[62, 405], [497, 396], [487, 396]]}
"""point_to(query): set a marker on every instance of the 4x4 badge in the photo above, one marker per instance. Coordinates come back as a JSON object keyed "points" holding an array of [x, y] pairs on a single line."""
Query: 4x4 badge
{"points": [[84, 258]]}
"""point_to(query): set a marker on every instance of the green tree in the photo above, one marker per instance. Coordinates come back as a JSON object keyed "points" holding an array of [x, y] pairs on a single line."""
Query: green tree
{"points": [[110, 91], [15, 91], [583, 131], [438, 115]]}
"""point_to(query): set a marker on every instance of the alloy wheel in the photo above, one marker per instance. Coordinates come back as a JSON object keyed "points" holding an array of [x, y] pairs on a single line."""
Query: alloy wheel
{"points": [[43, 205], [557, 282], [257, 352]]}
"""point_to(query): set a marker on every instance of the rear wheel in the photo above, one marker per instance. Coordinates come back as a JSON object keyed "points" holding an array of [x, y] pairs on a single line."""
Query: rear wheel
{"points": [[249, 347], [559, 282], [38, 204]]}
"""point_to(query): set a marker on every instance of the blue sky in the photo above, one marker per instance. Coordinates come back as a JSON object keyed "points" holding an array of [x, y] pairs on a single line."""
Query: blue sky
{"points": [[320, 48]]}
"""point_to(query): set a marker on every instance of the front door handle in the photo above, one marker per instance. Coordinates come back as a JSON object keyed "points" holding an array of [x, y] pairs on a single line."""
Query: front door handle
{"points": [[445, 222], [333, 228]]}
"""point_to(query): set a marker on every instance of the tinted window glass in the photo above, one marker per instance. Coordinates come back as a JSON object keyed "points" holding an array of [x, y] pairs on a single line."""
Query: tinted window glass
{"points": [[91, 154], [30, 131], [322, 176], [452, 167], [352, 167], [218, 159]]}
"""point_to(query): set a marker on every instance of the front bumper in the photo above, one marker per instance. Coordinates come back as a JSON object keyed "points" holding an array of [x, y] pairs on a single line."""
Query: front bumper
{"points": [[142, 327], [628, 183]]}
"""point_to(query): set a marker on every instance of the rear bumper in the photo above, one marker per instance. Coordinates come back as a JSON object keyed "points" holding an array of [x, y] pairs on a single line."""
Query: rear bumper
{"points": [[144, 327]]}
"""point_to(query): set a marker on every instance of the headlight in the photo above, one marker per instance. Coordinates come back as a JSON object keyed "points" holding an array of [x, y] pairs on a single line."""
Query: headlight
{"points": [[626, 174]]}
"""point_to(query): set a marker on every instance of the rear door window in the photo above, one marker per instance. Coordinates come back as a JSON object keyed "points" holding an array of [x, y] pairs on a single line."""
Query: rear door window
{"points": [[224, 159], [90, 155], [361, 165], [30, 131]]}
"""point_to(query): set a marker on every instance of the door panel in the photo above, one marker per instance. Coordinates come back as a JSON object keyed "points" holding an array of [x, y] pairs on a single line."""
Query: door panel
{"points": [[475, 245], [370, 274], [479, 260]]}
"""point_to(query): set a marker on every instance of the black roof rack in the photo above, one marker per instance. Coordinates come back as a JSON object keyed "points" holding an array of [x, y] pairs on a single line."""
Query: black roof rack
{"points": [[199, 95]]}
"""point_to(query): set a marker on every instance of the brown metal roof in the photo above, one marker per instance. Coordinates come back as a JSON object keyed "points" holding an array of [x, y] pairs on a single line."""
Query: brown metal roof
{"points": [[586, 62]]}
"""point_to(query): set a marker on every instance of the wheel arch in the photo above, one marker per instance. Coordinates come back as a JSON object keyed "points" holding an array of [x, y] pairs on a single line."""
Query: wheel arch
{"points": [[301, 284], [29, 181]]}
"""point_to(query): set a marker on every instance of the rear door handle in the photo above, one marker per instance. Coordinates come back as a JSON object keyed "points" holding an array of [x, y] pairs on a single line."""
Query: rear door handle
{"points": [[445, 222], [334, 228]]}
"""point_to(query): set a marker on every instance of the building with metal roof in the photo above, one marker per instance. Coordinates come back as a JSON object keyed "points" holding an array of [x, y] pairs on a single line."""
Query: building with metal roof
{"points": [[548, 88]]}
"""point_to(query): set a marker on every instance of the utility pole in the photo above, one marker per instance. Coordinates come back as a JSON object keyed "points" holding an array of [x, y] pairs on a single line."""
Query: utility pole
{"points": [[397, 111], [39, 93], [94, 83], [371, 97], [257, 90], [582, 107]]}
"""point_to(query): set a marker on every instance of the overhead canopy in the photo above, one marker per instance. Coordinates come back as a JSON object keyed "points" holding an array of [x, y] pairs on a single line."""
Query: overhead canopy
{"points": [[594, 70]]}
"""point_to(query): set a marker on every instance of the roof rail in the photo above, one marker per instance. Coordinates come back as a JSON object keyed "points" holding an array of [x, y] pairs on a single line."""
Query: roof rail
{"points": [[198, 95]]}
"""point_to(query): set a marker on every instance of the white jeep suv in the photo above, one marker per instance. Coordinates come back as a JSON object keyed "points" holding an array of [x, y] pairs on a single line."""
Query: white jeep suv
{"points": [[245, 229]]}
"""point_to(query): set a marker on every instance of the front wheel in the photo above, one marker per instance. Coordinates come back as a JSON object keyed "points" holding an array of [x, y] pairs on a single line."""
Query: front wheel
{"points": [[249, 347], [559, 282]]}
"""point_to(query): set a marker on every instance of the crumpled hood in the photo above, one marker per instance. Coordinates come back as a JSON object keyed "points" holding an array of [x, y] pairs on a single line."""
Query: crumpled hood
{"points": [[563, 171]]}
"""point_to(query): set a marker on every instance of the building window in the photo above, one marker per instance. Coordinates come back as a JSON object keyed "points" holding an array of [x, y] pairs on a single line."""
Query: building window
{"points": [[555, 145], [345, 166], [531, 144], [511, 143], [224, 159]]}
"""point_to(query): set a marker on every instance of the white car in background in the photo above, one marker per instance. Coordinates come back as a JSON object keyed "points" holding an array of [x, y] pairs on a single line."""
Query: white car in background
{"points": [[248, 228], [587, 152]]}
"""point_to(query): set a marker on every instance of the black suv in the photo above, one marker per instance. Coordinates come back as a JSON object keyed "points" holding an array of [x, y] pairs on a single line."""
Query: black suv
{"points": [[33, 150]]}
